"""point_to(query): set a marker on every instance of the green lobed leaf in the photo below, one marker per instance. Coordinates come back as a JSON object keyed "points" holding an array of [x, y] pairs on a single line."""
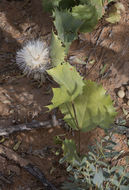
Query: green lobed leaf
{"points": [[60, 96], [57, 51], [66, 26], [88, 15], [71, 84], [93, 108], [98, 4], [99, 7], [69, 151]]}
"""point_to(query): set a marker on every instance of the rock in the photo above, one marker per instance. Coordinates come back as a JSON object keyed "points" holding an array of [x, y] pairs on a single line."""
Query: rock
{"points": [[11, 111], [121, 94], [6, 102]]}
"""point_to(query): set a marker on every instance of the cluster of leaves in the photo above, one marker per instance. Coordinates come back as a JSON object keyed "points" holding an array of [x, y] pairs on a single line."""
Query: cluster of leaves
{"points": [[94, 171], [84, 104], [73, 16]]}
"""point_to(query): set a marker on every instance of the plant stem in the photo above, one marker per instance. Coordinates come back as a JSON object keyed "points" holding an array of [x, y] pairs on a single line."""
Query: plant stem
{"points": [[70, 114], [121, 178], [101, 150], [75, 116], [79, 143], [77, 125]]}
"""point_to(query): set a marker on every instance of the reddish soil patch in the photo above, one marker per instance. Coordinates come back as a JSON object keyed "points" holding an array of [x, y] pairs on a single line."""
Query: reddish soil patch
{"points": [[21, 101]]}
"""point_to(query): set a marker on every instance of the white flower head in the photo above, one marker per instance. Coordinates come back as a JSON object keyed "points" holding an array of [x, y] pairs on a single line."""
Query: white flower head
{"points": [[33, 59]]}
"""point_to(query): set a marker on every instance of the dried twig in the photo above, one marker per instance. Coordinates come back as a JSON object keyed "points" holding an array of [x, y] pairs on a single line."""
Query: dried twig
{"points": [[38, 174], [28, 126]]}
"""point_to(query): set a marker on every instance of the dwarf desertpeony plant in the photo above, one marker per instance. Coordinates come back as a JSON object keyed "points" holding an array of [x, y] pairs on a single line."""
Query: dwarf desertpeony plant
{"points": [[33, 59]]}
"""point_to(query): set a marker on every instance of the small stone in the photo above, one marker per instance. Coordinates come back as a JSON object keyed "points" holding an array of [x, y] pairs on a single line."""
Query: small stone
{"points": [[11, 111], [14, 121], [121, 94], [6, 102], [128, 102]]}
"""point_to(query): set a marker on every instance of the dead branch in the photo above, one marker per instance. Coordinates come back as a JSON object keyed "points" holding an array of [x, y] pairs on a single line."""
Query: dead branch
{"points": [[24, 163], [28, 126], [38, 174]]}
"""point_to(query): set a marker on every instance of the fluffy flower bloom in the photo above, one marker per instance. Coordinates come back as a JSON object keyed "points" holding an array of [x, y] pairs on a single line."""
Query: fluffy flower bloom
{"points": [[33, 59]]}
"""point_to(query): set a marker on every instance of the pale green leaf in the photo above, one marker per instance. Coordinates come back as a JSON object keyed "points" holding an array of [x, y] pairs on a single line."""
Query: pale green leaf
{"points": [[93, 108], [88, 15], [82, 12], [113, 17], [66, 26], [115, 13], [60, 96], [71, 84], [99, 7], [69, 151], [98, 4], [57, 51]]}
